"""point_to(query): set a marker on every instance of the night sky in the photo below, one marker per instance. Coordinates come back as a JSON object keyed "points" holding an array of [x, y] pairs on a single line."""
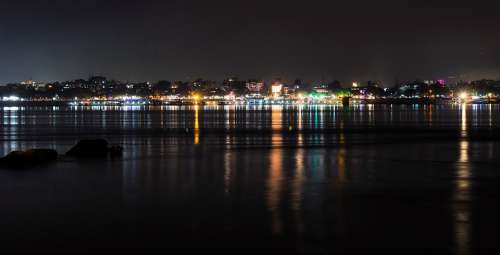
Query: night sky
{"points": [[312, 40]]}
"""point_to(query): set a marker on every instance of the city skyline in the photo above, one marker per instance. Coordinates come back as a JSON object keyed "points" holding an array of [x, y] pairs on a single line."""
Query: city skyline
{"points": [[324, 80]]}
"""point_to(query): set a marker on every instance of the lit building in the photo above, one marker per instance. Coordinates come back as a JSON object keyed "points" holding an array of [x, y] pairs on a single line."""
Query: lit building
{"points": [[28, 83], [255, 86], [286, 90], [298, 84], [201, 84], [234, 85], [321, 90], [276, 89]]}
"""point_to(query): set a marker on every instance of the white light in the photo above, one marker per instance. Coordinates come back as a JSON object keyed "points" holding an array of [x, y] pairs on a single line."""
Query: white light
{"points": [[11, 98], [276, 88], [14, 108]]}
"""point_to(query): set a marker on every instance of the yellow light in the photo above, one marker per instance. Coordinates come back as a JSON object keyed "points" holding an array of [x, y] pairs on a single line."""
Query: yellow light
{"points": [[463, 95], [196, 97]]}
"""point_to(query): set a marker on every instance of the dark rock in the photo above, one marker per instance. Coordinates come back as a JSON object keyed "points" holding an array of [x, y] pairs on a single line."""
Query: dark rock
{"points": [[28, 158], [94, 149], [89, 148]]}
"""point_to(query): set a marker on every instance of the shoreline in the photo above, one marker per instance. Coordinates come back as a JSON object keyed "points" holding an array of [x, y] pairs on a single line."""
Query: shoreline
{"points": [[386, 101]]}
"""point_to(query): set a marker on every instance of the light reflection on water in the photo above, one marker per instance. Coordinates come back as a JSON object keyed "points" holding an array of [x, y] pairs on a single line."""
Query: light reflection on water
{"points": [[297, 187], [274, 188], [228, 169], [301, 118], [196, 126], [462, 192], [298, 173]]}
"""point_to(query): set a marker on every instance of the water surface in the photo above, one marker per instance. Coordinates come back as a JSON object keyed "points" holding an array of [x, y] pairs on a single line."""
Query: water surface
{"points": [[298, 180]]}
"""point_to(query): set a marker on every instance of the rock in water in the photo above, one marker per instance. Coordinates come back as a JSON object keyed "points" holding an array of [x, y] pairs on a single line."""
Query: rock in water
{"points": [[28, 158], [89, 148]]}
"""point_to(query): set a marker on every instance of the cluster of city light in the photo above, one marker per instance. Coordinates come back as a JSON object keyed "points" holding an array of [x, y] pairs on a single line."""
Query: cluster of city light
{"points": [[465, 96], [110, 101], [231, 98], [12, 99], [278, 94]]}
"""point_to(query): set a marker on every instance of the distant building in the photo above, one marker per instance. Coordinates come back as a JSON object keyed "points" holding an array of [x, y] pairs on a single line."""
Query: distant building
{"points": [[202, 85], [97, 80], [254, 86], [299, 84], [33, 84], [28, 83], [234, 85], [321, 90], [287, 90], [276, 88]]}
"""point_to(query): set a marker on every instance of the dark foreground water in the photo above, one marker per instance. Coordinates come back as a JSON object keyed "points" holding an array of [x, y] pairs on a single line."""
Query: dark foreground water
{"points": [[308, 180]]}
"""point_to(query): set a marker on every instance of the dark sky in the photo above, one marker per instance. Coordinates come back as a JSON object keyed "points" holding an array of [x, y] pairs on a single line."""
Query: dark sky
{"points": [[313, 40]]}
